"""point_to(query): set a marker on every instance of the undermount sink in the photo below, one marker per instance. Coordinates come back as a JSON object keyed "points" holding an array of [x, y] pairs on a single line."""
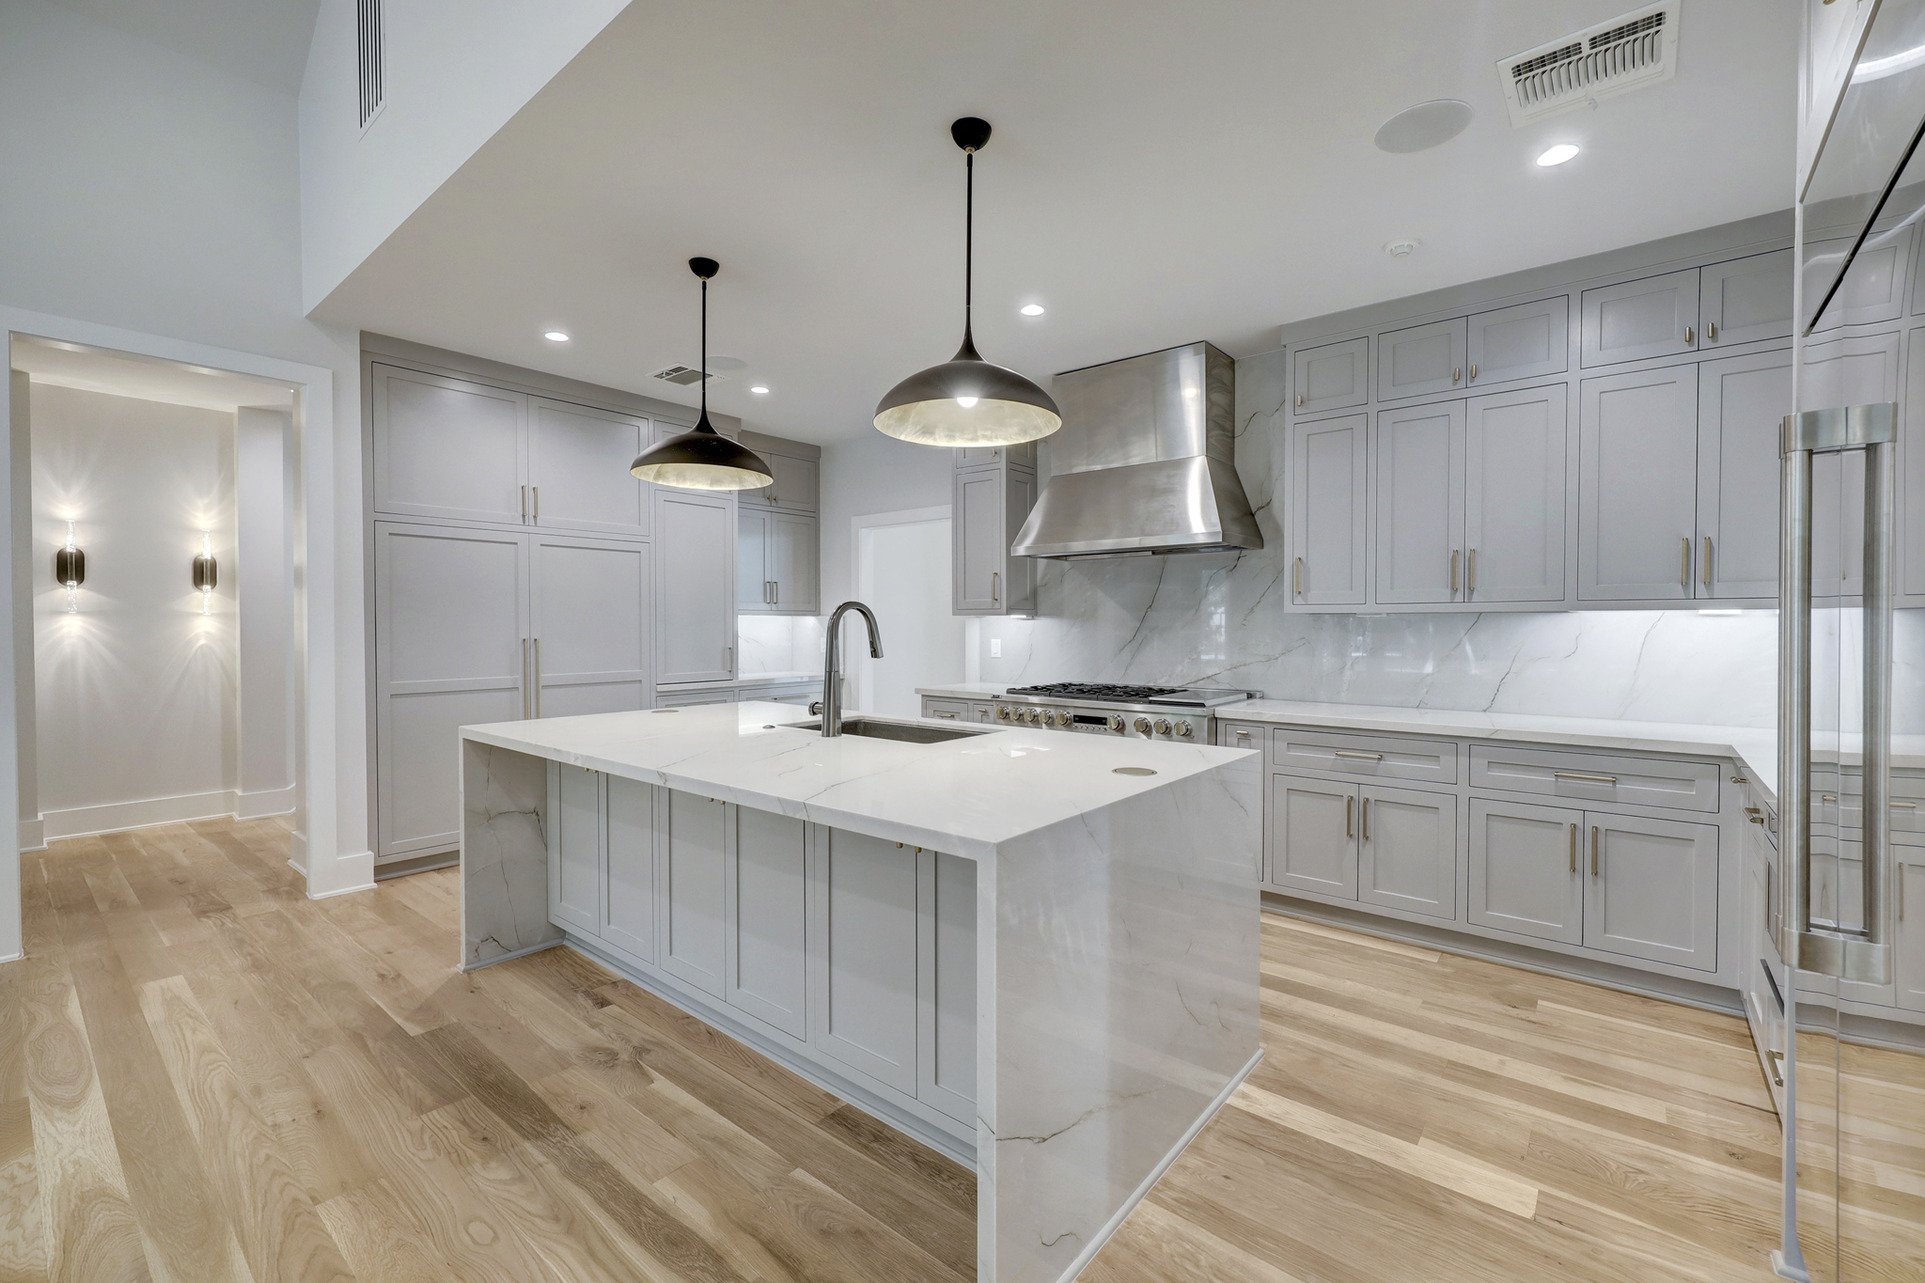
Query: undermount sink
{"points": [[870, 728]]}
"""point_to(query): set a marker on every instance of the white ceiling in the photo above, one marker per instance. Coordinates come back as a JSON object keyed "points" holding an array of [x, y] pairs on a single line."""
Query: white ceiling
{"points": [[90, 369], [261, 40], [1159, 173]]}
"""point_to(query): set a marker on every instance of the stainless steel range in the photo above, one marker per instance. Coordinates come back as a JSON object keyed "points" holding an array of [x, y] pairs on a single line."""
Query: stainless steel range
{"points": [[1142, 712]]}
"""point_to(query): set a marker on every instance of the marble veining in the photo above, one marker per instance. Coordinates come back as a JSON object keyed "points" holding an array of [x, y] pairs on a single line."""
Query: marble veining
{"points": [[1220, 619], [504, 883]]}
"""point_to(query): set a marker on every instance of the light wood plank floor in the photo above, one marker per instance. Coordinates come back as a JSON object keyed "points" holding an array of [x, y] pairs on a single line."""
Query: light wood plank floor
{"points": [[204, 1076]]}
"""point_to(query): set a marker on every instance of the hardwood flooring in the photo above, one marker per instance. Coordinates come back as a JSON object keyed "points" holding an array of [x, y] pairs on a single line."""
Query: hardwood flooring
{"points": [[206, 1076]]}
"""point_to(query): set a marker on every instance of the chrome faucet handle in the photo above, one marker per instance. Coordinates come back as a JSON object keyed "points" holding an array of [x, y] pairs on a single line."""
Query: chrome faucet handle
{"points": [[815, 708]]}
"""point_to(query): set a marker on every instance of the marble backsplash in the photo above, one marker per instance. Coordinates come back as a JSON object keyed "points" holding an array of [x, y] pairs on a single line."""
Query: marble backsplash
{"points": [[1220, 620], [778, 644]]}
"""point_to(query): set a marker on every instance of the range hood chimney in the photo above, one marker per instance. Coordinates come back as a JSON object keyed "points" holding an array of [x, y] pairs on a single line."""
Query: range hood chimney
{"points": [[1144, 462]]}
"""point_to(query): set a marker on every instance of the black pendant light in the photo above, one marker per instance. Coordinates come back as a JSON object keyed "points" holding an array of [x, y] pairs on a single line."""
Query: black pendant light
{"points": [[702, 458], [966, 401]]}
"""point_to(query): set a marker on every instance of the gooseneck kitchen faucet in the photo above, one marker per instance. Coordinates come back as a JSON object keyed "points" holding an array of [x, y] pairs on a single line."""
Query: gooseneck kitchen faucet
{"points": [[832, 663]]}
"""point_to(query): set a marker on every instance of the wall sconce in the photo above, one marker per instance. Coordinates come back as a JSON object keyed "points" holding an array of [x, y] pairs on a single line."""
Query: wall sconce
{"points": [[207, 571], [70, 570]]}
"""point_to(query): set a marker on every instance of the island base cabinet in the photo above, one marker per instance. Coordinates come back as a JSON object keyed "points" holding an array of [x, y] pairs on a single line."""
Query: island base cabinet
{"points": [[628, 869], [765, 886], [946, 978], [692, 836], [864, 968], [1407, 850], [1653, 890], [1313, 826], [574, 833], [1524, 870]]}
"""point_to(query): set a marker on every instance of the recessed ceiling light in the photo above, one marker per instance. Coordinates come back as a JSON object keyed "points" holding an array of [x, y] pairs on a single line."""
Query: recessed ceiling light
{"points": [[1032, 309], [759, 390], [555, 336], [1556, 154]]}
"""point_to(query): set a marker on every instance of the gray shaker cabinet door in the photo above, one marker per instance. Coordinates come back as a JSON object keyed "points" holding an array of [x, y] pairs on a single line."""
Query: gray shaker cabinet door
{"points": [[1407, 850], [575, 848], [1335, 376], [1742, 402], [578, 475], [864, 1008], [447, 448], [1421, 360], [1313, 835], [590, 611], [1657, 316], [1526, 869], [1329, 566], [1637, 485], [628, 868], [1652, 890], [1746, 300], [1527, 341], [1417, 462], [691, 833], [694, 587], [767, 914], [946, 1046], [1515, 483]]}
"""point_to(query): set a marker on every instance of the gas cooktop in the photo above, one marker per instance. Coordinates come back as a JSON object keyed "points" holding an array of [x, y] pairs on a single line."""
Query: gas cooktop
{"points": [[1122, 693]]}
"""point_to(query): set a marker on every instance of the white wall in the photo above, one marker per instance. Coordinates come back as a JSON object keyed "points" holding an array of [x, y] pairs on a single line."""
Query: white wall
{"points": [[455, 71], [261, 573], [869, 474], [136, 690], [151, 192]]}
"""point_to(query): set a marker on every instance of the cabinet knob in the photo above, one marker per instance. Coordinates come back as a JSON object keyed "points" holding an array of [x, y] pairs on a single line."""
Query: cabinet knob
{"points": [[1300, 400]]}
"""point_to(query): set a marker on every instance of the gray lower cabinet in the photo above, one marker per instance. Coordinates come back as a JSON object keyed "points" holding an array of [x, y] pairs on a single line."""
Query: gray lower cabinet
{"points": [[575, 847], [946, 980], [1407, 850], [1313, 828], [865, 948], [765, 924], [1652, 890], [628, 868], [1908, 892], [1524, 870], [692, 835]]}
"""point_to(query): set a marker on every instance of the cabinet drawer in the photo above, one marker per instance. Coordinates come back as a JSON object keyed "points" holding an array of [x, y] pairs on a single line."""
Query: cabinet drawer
{"points": [[949, 710], [1371, 756], [1839, 802], [1592, 778]]}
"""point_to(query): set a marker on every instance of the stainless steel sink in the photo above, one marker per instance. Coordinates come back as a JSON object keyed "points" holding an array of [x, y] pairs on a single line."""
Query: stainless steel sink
{"points": [[908, 734]]}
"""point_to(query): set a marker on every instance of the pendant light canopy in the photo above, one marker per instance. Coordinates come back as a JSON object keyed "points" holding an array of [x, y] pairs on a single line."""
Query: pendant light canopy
{"points": [[702, 458], [966, 401]]}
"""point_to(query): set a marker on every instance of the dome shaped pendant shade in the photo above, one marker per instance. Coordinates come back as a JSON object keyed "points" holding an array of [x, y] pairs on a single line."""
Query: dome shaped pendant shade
{"points": [[966, 401], [702, 458]]}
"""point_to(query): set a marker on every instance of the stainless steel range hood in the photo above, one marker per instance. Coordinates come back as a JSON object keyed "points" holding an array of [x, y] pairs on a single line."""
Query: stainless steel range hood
{"points": [[1144, 461]]}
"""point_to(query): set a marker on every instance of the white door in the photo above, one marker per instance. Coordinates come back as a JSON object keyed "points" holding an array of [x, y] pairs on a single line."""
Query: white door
{"points": [[1313, 828], [1741, 410], [1328, 511], [451, 632], [578, 473], [1420, 360], [1407, 850], [628, 868], [902, 572], [766, 892], [591, 604], [447, 448], [863, 936], [1657, 316], [694, 587], [1417, 460], [1637, 485], [1527, 341], [1526, 869], [1746, 300], [1652, 890], [754, 576], [1514, 487], [692, 835]]}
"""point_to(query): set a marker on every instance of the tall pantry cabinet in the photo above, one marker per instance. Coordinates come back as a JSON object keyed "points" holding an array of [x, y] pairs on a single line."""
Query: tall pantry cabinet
{"points": [[515, 573]]}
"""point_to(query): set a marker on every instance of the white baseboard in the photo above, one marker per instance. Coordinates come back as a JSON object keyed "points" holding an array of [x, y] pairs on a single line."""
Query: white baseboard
{"points": [[329, 895], [33, 834], [113, 817], [348, 872], [12, 957], [262, 803]]}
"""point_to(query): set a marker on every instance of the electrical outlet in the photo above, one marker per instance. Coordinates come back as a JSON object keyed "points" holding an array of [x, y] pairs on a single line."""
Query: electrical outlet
{"points": [[995, 648]]}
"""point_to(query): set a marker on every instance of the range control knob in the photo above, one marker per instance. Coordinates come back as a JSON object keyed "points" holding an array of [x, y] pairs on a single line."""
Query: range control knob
{"points": [[1049, 717], [1162, 726], [1002, 712], [1183, 729], [1116, 721], [1033, 716], [1142, 726]]}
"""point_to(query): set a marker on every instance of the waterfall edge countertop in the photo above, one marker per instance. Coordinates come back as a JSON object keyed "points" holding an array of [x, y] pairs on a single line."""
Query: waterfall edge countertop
{"points": [[966, 796]]}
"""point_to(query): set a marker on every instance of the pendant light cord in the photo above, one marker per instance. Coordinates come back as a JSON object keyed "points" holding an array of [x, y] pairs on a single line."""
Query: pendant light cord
{"points": [[704, 421], [969, 252]]}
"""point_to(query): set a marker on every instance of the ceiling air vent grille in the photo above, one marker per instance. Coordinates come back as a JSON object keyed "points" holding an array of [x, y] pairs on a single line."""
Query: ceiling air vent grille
{"points": [[370, 41], [1615, 57], [681, 375]]}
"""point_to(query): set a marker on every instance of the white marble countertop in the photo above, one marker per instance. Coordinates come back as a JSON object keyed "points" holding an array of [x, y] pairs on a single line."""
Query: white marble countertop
{"points": [[965, 796]]}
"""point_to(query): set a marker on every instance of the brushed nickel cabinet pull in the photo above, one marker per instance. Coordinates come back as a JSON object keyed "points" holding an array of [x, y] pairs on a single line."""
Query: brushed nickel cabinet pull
{"points": [[1574, 850], [1453, 569], [1457, 375], [996, 587], [1711, 331], [1473, 372], [1690, 336], [536, 491], [1297, 581], [1357, 755], [1904, 806], [1900, 879], [524, 677], [1470, 574], [1350, 817], [1300, 400], [537, 682], [1778, 1057], [524, 504], [1706, 570], [1584, 777], [1684, 563], [1366, 819], [1594, 850]]}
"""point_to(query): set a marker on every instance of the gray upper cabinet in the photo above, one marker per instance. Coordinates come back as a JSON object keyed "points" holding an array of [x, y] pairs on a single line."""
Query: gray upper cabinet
{"points": [[1746, 300], [754, 592], [976, 456], [1853, 370], [1742, 402], [1328, 511], [695, 586], [1652, 890], [1657, 316], [1911, 482], [766, 917], [578, 469], [1335, 376], [988, 507], [1407, 850], [1873, 291], [447, 448], [1527, 341], [1514, 505], [589, 651], [1417, 461], [1526, 875], [1637, 485], [777, 563], [1421, 360], [797, 484]]}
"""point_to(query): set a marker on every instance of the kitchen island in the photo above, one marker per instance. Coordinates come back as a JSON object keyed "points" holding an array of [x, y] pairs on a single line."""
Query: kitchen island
{"points": [[1033, 951]]}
